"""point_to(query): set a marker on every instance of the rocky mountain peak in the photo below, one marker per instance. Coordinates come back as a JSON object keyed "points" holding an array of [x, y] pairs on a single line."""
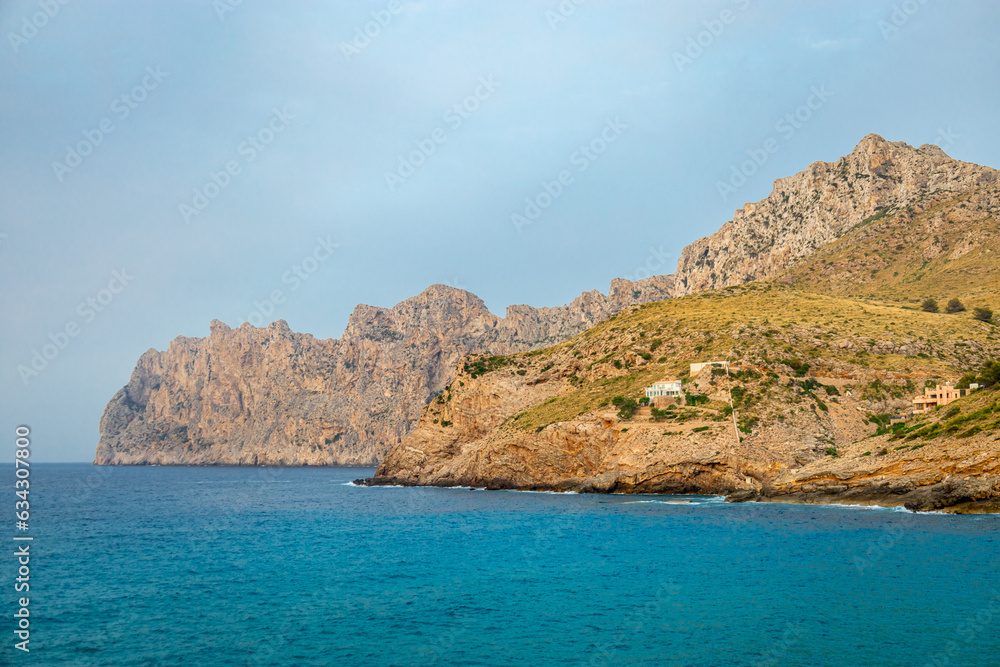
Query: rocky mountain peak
{"points": [[820, 204], [272, 396]]}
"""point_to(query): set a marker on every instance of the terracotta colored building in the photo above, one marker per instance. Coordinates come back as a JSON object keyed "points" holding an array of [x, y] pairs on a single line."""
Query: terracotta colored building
{"points": [[933, 398]]}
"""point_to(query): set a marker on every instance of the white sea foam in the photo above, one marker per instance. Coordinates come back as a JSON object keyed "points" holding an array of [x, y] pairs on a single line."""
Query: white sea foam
{"points": [[548, 493], [899, 509], [377, 486], [701, 500]]}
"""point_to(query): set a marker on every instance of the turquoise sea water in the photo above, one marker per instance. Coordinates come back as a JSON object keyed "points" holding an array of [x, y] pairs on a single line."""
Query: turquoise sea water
{"points": [[238, 566]]}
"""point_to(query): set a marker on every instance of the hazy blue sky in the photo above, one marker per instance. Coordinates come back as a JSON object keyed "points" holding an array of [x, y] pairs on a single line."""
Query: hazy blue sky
{"points": [[114, 116]]}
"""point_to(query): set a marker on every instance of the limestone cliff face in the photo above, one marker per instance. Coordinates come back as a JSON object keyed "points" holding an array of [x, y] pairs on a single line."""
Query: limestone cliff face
{"points": [[945, 461], [814, 371], [526, 328], [252, 396], [819, 205]]}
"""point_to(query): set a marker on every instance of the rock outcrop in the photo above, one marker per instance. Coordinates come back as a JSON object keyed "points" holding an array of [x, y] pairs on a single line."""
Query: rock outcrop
{"points": [[271, 396], [946, 461], [812, 379], [814, 207], [255, 396]]}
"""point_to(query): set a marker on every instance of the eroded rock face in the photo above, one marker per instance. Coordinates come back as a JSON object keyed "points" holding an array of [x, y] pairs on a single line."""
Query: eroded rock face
{"points": [[252, 396], [819, 205], [959, 475], [774, 428]]}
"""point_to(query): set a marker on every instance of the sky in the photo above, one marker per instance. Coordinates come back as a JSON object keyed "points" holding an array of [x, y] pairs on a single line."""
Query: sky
{"points": [[164, 164]]}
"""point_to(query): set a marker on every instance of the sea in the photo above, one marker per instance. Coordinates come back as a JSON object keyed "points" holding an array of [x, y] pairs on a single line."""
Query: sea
{"points": [[279, 566]]}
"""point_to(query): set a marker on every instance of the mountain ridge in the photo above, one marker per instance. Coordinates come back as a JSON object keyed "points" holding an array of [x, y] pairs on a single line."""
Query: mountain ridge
{"points": [[348, 401], [252, 396], [819, 205]]}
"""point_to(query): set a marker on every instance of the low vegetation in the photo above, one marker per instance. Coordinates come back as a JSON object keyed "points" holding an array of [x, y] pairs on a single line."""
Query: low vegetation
{"points": [[771, 332]]}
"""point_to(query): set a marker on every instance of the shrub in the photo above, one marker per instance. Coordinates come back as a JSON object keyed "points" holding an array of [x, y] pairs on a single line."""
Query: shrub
{"points": [[990, 376], [831, 451], [831, 390], [809, 384], [965, 381], [477, 367], [695, 399], [929, 305], [659, 415], [954, 306], [746, 424], [644, 400], [799, 367], [982, 314], [626, 406]]}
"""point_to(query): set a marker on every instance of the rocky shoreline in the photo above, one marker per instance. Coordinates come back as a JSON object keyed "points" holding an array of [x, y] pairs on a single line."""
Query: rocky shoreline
{"points": [[950, 497]]}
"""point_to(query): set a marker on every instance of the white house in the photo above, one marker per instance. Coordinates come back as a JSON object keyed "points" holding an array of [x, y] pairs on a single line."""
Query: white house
{"points": [[670, 388], [696, 368]]}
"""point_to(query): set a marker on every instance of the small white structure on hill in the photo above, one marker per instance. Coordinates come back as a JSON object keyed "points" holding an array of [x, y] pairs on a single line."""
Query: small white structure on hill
{"points": [[696, 368], [668, 388]]}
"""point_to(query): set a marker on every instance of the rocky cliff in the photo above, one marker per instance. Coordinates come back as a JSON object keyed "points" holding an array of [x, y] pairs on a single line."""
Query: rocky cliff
{"points": [[947, 247], [271, 396], [887, 221], [946, 460], [819, 205], [814, 377]]}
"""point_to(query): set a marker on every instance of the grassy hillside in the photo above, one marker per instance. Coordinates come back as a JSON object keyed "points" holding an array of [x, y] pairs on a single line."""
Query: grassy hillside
{"points": [[979, 412], [943, 249], [880, 350]]}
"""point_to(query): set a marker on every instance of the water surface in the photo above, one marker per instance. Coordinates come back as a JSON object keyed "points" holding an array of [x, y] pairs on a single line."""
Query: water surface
{"points": [[244, 566]]}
